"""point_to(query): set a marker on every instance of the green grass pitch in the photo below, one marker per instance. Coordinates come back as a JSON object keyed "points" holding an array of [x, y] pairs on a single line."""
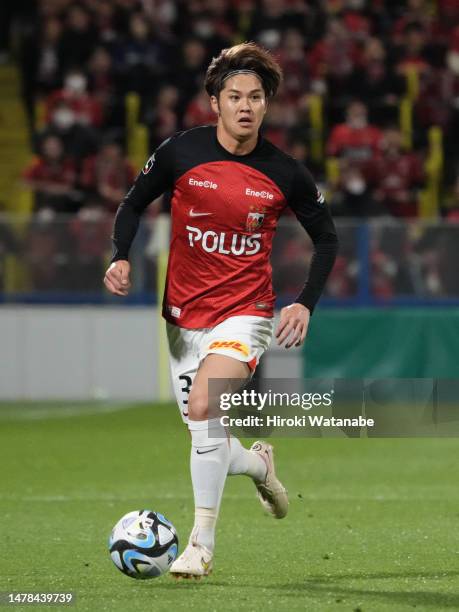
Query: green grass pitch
{"points": [[373, 524]]}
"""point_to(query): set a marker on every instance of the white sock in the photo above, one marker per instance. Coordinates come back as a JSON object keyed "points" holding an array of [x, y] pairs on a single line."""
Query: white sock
{"points": [[209, 462], [242, 461], [205, 520]]}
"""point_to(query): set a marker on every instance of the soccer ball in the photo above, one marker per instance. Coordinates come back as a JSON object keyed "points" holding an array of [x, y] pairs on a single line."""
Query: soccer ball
{"points": [[143, 544]]}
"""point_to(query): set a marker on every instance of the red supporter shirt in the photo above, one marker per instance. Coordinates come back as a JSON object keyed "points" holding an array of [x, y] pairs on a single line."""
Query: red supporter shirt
{"points": [[87, 109], [61, 172], [358, 144], [97, 172], [394, 178]]}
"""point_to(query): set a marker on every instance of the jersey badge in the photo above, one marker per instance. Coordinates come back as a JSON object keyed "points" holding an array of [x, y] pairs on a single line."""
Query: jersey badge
{"points": [[149, 165], [255, 218]]}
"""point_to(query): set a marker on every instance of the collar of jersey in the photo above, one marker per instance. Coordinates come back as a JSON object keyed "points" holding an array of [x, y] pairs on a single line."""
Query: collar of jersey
{"points": [[238, 157]]}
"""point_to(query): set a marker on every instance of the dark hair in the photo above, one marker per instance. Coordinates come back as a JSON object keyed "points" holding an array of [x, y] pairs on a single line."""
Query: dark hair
{"points": [[246, 56]]}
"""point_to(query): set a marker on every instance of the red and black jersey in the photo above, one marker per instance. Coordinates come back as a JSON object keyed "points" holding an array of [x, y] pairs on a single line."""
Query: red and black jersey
{"points": [[224, 210]]}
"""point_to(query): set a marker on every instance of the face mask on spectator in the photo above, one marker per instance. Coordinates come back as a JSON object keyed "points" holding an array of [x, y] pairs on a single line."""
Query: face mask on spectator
{"points": [[355, 185], [75, 83], [453, 61], [204, 29], [357, 122], [356, 5], [64, 118]]}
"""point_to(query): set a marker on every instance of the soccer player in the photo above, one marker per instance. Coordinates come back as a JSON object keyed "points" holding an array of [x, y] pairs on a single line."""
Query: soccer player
{"points": [[229, 187]]}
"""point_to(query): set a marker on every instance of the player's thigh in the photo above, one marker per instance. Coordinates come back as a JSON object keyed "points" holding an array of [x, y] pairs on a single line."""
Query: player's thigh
{"points": [[184, 363], [214, 366]]}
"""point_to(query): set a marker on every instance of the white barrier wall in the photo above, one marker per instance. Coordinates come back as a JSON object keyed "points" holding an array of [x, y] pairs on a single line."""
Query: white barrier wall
{"points": [[97, 352]]}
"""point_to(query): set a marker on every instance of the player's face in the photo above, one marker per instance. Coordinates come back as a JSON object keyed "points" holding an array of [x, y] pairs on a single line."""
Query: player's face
{"points": [[241, 106]]}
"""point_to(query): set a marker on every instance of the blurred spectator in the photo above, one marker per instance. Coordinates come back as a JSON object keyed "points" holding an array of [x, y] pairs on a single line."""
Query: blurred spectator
{"points": [[108, 176], [452, 214], [292, 58], [199, 111], [87, 109], [396, 176], [392, 260], [105, 20], [189, 71], [40, 57], [374, 82], [357, 21], [413, 50], [79, 140], [417, 12], [353, 197], [9, 245], [101, 78], [89, 232], [299, 148], [291, 252], [356, 139], [276, 120], [331, 61], [46, 252], [270, 20], [438, 102], [140, 59], [52, 176], [48, 57], [341, 283], [79, 38], [210, 22], [161, 115]]}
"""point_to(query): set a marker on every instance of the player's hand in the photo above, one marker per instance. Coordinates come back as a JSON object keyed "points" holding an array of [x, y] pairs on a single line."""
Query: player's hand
{"points": [[117, 277], [293, 325]]}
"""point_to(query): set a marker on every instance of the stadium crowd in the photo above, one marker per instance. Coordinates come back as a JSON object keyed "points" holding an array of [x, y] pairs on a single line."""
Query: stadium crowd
{"points": [[81, 59]]}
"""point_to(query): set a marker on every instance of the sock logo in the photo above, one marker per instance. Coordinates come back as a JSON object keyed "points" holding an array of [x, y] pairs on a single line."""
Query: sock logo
{"points": [[206, 451]]}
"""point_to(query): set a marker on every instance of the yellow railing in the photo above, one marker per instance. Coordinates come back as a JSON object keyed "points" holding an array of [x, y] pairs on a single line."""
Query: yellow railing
{"points": [[40, 114], [429, 201], [412, 82], [332, 172], [406, 106], [136, 132], [406, 122], [316, 117]]}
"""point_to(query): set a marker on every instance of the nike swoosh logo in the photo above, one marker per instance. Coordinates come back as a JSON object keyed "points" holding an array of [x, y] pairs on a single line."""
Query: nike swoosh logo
{"points": [[205, 564], [207, 451], [199, 214]]}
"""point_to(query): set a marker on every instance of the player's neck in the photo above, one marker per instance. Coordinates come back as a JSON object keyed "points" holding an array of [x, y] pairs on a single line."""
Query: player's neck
{"points": [[234, 146]]}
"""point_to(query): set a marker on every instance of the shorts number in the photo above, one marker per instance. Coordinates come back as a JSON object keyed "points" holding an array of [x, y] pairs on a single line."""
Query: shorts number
{"points": [[187, 386]]}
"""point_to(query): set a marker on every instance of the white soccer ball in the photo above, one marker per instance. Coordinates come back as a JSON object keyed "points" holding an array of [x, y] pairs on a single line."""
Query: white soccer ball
{"points": [[143, 544]]}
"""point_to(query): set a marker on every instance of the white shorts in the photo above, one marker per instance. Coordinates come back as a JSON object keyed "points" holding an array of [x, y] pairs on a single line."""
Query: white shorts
{"points": [[244, 338]]}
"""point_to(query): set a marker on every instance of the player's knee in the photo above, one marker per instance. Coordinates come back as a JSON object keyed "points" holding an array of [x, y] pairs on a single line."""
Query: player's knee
{"points": [[198, 405]]}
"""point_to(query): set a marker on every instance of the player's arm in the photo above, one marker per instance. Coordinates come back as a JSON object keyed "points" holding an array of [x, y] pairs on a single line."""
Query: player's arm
{"points": [[156, 177], [310, 209]]}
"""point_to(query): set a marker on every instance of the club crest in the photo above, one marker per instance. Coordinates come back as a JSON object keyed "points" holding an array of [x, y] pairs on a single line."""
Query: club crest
{"points": [[255, 218]]}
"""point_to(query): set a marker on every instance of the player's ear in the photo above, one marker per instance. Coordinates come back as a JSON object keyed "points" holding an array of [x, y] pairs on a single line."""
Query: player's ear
{"points": [[215, 105]]}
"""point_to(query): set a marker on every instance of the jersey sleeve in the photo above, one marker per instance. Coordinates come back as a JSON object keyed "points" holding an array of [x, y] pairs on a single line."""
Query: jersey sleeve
{"points": [[312, 212], [155, 178]]}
